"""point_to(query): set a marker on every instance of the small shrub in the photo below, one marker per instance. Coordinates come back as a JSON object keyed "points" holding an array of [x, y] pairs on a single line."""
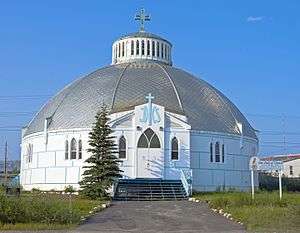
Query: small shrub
{"points": [[36, 191], [45, 209], [69, 189]]}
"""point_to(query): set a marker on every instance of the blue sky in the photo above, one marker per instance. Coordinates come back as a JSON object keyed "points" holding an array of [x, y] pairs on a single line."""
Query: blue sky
{"points": [[247, 49]]}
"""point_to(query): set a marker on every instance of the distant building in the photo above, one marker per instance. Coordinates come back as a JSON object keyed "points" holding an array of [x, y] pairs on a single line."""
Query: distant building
{"points": [[291, 164], [13, 165]]}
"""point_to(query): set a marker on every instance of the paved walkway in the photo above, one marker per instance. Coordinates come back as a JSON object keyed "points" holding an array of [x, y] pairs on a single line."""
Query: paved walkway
{"points": [[167, 216], [157, 217]]}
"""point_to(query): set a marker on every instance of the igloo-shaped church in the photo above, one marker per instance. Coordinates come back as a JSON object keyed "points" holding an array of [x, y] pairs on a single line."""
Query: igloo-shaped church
{"points": [[169, 124]]}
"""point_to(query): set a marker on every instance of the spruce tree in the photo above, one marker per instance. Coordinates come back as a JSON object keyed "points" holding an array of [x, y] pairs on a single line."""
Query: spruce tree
{"points": [[102, 169]]}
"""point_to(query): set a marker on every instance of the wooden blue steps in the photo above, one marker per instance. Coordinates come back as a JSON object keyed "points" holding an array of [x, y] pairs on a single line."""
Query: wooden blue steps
{"points": [[149, 190]]}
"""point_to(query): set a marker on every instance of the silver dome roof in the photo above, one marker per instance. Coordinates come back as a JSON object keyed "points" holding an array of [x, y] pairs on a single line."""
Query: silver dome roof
{"points": [[124, 86]]}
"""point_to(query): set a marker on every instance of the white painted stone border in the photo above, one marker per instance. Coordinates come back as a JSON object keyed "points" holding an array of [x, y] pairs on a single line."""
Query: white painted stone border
{"points": [[218, 211], [96, 209]]}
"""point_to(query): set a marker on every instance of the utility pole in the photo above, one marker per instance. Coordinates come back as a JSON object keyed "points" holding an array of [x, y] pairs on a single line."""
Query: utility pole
{"points": [[5, 164], [284, 133]]}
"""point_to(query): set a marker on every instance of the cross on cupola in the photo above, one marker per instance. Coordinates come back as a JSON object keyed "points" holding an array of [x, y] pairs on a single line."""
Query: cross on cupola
{"points": [[142, 17]]}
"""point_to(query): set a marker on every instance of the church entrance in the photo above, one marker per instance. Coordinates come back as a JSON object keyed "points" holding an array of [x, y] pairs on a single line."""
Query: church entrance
{"points": [[149, 156]]}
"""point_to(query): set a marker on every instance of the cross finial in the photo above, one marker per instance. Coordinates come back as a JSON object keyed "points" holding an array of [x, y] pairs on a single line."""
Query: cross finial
{"points": [[142, 17], [149, 97]]}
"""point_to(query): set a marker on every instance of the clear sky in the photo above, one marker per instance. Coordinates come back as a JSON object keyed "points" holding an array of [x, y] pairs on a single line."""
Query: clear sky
{"points": [[247, 49]]}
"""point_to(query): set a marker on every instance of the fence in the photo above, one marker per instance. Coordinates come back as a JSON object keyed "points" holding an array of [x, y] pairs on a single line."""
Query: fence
{"points": [[270, 183]]}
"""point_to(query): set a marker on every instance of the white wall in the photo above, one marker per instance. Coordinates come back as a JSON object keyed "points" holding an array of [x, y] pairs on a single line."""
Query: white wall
{"points": [[49, 169], [233, 173]]}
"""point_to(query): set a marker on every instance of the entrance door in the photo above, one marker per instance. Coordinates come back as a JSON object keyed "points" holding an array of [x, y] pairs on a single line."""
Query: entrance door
{"points": [[149, 157]]}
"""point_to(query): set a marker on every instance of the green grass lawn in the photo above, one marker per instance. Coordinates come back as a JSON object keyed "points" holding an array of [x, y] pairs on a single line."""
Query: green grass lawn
{"points": [[44, 211], [264, 214]]}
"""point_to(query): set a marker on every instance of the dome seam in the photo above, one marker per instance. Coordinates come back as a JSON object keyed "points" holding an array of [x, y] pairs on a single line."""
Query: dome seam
{"points": [[117, 85], [221, 99], [173, 85]]}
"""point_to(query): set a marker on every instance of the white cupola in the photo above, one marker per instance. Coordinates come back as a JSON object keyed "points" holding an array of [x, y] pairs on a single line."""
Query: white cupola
{"points": [[141, 46]]}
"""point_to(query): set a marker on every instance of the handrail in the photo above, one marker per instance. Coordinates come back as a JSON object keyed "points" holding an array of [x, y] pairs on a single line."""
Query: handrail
{"points": [[114, 187], [186, 179]]}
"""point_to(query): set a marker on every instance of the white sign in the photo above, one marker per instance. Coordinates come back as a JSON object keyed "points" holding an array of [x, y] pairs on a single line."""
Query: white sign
{"points": [[270, 165], [256, 164]]}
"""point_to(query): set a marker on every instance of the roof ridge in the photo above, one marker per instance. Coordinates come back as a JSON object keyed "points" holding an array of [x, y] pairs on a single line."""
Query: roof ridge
{"points": [[173, 85], [117, 85]]}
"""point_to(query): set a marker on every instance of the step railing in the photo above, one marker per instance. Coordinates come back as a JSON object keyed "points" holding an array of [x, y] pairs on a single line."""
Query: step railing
{"points": [[114, 188], [186, 176]]}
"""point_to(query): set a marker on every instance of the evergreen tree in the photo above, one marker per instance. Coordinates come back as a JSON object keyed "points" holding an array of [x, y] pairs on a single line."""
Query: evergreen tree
{"points": [[102, 168]]}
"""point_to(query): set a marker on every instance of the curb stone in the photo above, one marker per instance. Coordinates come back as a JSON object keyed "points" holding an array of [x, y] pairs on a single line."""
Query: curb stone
{"points": [[218, 211]]}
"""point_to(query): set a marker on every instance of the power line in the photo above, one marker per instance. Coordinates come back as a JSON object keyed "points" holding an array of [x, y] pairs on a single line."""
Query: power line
{"points": [[288, 143], [272, 115], [9, 114], [4, 97], [10, 130], [9, 126]]}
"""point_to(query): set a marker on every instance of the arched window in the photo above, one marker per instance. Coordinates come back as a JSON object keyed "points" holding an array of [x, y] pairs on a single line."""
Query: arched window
{"points": [[174, 149], [157, 49], [148, 47], [162, 50], [153, 48], [149, 140], [122, 148], [123, 50], [80, 149], [119, 50], [211, 153], [73, 148], [217, 152], [137, 47], [66, 149], [29, 152], [143, 47], [132, 47], [223, 153]]}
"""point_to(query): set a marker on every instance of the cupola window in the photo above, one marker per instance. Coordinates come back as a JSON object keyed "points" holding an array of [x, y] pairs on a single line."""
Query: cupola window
{"points": [[153, 48], [137, 47], [148, 47], [132, 47], [143, 47], [166, 52]]}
